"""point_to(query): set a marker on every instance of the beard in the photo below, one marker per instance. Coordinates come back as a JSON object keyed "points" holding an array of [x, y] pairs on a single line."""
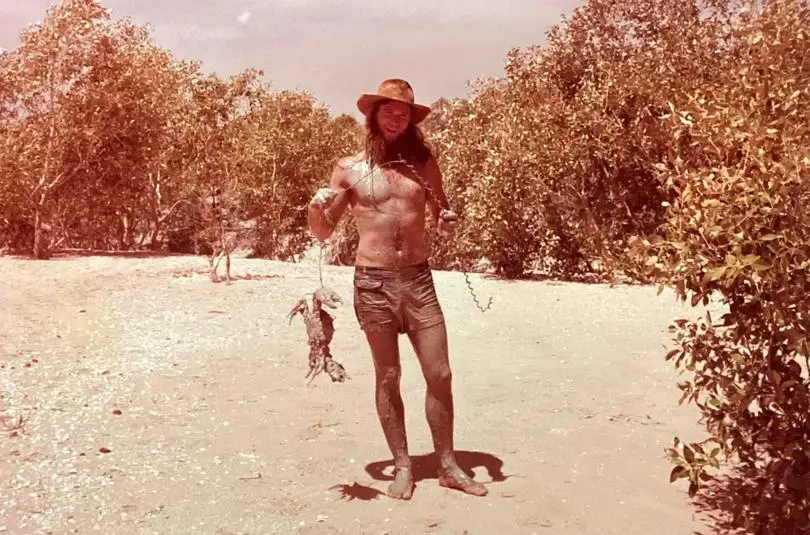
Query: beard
{"points": [[409, 146]]}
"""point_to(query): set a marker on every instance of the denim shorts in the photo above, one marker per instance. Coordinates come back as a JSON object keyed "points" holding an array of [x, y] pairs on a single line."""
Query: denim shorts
{"points": [[396, 299]]}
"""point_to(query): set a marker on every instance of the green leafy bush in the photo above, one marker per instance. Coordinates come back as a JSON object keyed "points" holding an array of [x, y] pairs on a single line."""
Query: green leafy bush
{"points": [[738, 228]]}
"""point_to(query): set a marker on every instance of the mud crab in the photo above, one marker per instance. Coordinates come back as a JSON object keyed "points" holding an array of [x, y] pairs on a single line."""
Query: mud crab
{"points": [[320, 330]]}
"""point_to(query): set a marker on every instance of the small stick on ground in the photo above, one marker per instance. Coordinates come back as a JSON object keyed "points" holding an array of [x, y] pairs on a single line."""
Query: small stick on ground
{"points": [[13, 426]]}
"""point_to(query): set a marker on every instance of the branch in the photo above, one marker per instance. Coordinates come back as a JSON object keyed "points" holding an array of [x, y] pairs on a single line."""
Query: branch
{"points": [[51, 133], [58, 180], [55, 181], [82, 164], [273, 178], [158, 194], [171, 209]]}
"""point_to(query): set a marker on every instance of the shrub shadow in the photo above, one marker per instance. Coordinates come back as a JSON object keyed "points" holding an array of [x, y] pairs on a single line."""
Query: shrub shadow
{"points": [[725, 500], [563, 279], [67, 254]]}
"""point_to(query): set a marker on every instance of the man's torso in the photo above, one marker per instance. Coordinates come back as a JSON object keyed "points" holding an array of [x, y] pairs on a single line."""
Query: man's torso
{"points": [[389, 209]]}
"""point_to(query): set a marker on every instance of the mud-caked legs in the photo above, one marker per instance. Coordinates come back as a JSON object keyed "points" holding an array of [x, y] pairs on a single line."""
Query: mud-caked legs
{"points": [[390, 408], [430, 345]]}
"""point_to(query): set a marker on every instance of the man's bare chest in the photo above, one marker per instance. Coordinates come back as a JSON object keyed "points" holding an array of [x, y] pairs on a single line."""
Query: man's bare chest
{"points": [[401, 185]]}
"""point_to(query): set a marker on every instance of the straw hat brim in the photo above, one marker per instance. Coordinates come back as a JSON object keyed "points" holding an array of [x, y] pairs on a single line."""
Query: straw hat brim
{"points": [[366, 103]]}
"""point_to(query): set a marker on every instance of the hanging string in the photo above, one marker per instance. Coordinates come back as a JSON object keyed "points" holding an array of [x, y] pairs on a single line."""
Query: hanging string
{"points": [[320, 264], [431, 192]]}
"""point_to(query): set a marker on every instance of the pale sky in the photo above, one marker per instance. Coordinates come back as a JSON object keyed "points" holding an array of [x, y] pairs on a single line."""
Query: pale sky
{"points": [[335, 50]]}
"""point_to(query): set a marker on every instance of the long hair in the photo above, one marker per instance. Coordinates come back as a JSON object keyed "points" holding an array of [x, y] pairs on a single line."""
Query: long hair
{"points": [[410, 146]]}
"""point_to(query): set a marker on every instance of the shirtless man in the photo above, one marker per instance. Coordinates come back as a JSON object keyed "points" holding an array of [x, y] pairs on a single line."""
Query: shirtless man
{"points": [[393, 283]]}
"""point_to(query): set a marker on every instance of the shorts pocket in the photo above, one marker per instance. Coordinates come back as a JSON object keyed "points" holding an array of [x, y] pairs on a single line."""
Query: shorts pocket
{"points": [[367, 283], [370, 300]]}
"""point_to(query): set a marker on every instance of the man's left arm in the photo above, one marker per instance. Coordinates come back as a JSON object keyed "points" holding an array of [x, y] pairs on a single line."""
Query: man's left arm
{"points": [[436, 198]]}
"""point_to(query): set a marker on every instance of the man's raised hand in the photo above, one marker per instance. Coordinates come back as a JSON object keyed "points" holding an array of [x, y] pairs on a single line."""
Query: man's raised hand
{"points": [[448, 220], [323, 198]]}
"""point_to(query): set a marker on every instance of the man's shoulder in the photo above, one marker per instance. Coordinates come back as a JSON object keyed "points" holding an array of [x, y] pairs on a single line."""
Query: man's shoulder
{"points": [[346, 166], [348, 162], [349, 166]]}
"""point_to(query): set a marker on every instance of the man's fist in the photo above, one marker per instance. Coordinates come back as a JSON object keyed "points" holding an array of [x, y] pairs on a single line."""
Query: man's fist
{"points": [[448, 220], [324, 198], [448, 216]]}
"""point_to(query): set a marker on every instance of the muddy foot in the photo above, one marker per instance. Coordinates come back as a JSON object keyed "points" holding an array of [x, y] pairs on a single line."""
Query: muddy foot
{"points": [[455, 478], [402, 487]]}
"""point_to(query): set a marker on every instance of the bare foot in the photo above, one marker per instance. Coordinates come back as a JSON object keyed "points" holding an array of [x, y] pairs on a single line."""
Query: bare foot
{"points": [[402, 487], [455, 478]]}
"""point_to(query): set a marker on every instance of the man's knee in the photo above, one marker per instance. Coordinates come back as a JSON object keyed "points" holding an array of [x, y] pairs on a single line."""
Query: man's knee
{"points": [[388, 376], [440, 378]]}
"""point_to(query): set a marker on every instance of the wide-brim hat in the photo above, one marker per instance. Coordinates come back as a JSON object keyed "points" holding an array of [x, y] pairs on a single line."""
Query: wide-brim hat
{"points": [[393, 89]]}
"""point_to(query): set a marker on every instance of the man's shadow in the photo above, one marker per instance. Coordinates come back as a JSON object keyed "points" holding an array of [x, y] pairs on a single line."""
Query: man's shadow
{"points": [[424, 467], [427, 466]]}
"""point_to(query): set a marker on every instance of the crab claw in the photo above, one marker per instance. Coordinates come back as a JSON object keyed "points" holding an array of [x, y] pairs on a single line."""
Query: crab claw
{"points": [[299, 308], [336, 371], [328, 297]]}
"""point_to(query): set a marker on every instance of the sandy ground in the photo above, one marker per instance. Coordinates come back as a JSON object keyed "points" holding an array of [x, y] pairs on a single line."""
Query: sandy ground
{"points": [[157, 403]]}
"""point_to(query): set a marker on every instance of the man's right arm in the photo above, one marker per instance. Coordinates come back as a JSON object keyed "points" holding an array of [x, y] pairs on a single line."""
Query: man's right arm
{"points": [[324, 217]]}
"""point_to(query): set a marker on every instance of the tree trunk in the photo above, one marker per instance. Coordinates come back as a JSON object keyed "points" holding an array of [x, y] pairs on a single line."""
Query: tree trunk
{"points": [[153, 240], [40, 250], [125, 238]]}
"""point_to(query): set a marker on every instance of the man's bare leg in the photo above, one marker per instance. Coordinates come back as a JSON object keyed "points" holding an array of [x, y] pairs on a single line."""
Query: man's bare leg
{"points": [[390, 409], [430, 345]]}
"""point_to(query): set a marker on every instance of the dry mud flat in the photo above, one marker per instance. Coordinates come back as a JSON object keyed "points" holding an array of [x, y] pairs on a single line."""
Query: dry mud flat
{"points": [[155, 401]]}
